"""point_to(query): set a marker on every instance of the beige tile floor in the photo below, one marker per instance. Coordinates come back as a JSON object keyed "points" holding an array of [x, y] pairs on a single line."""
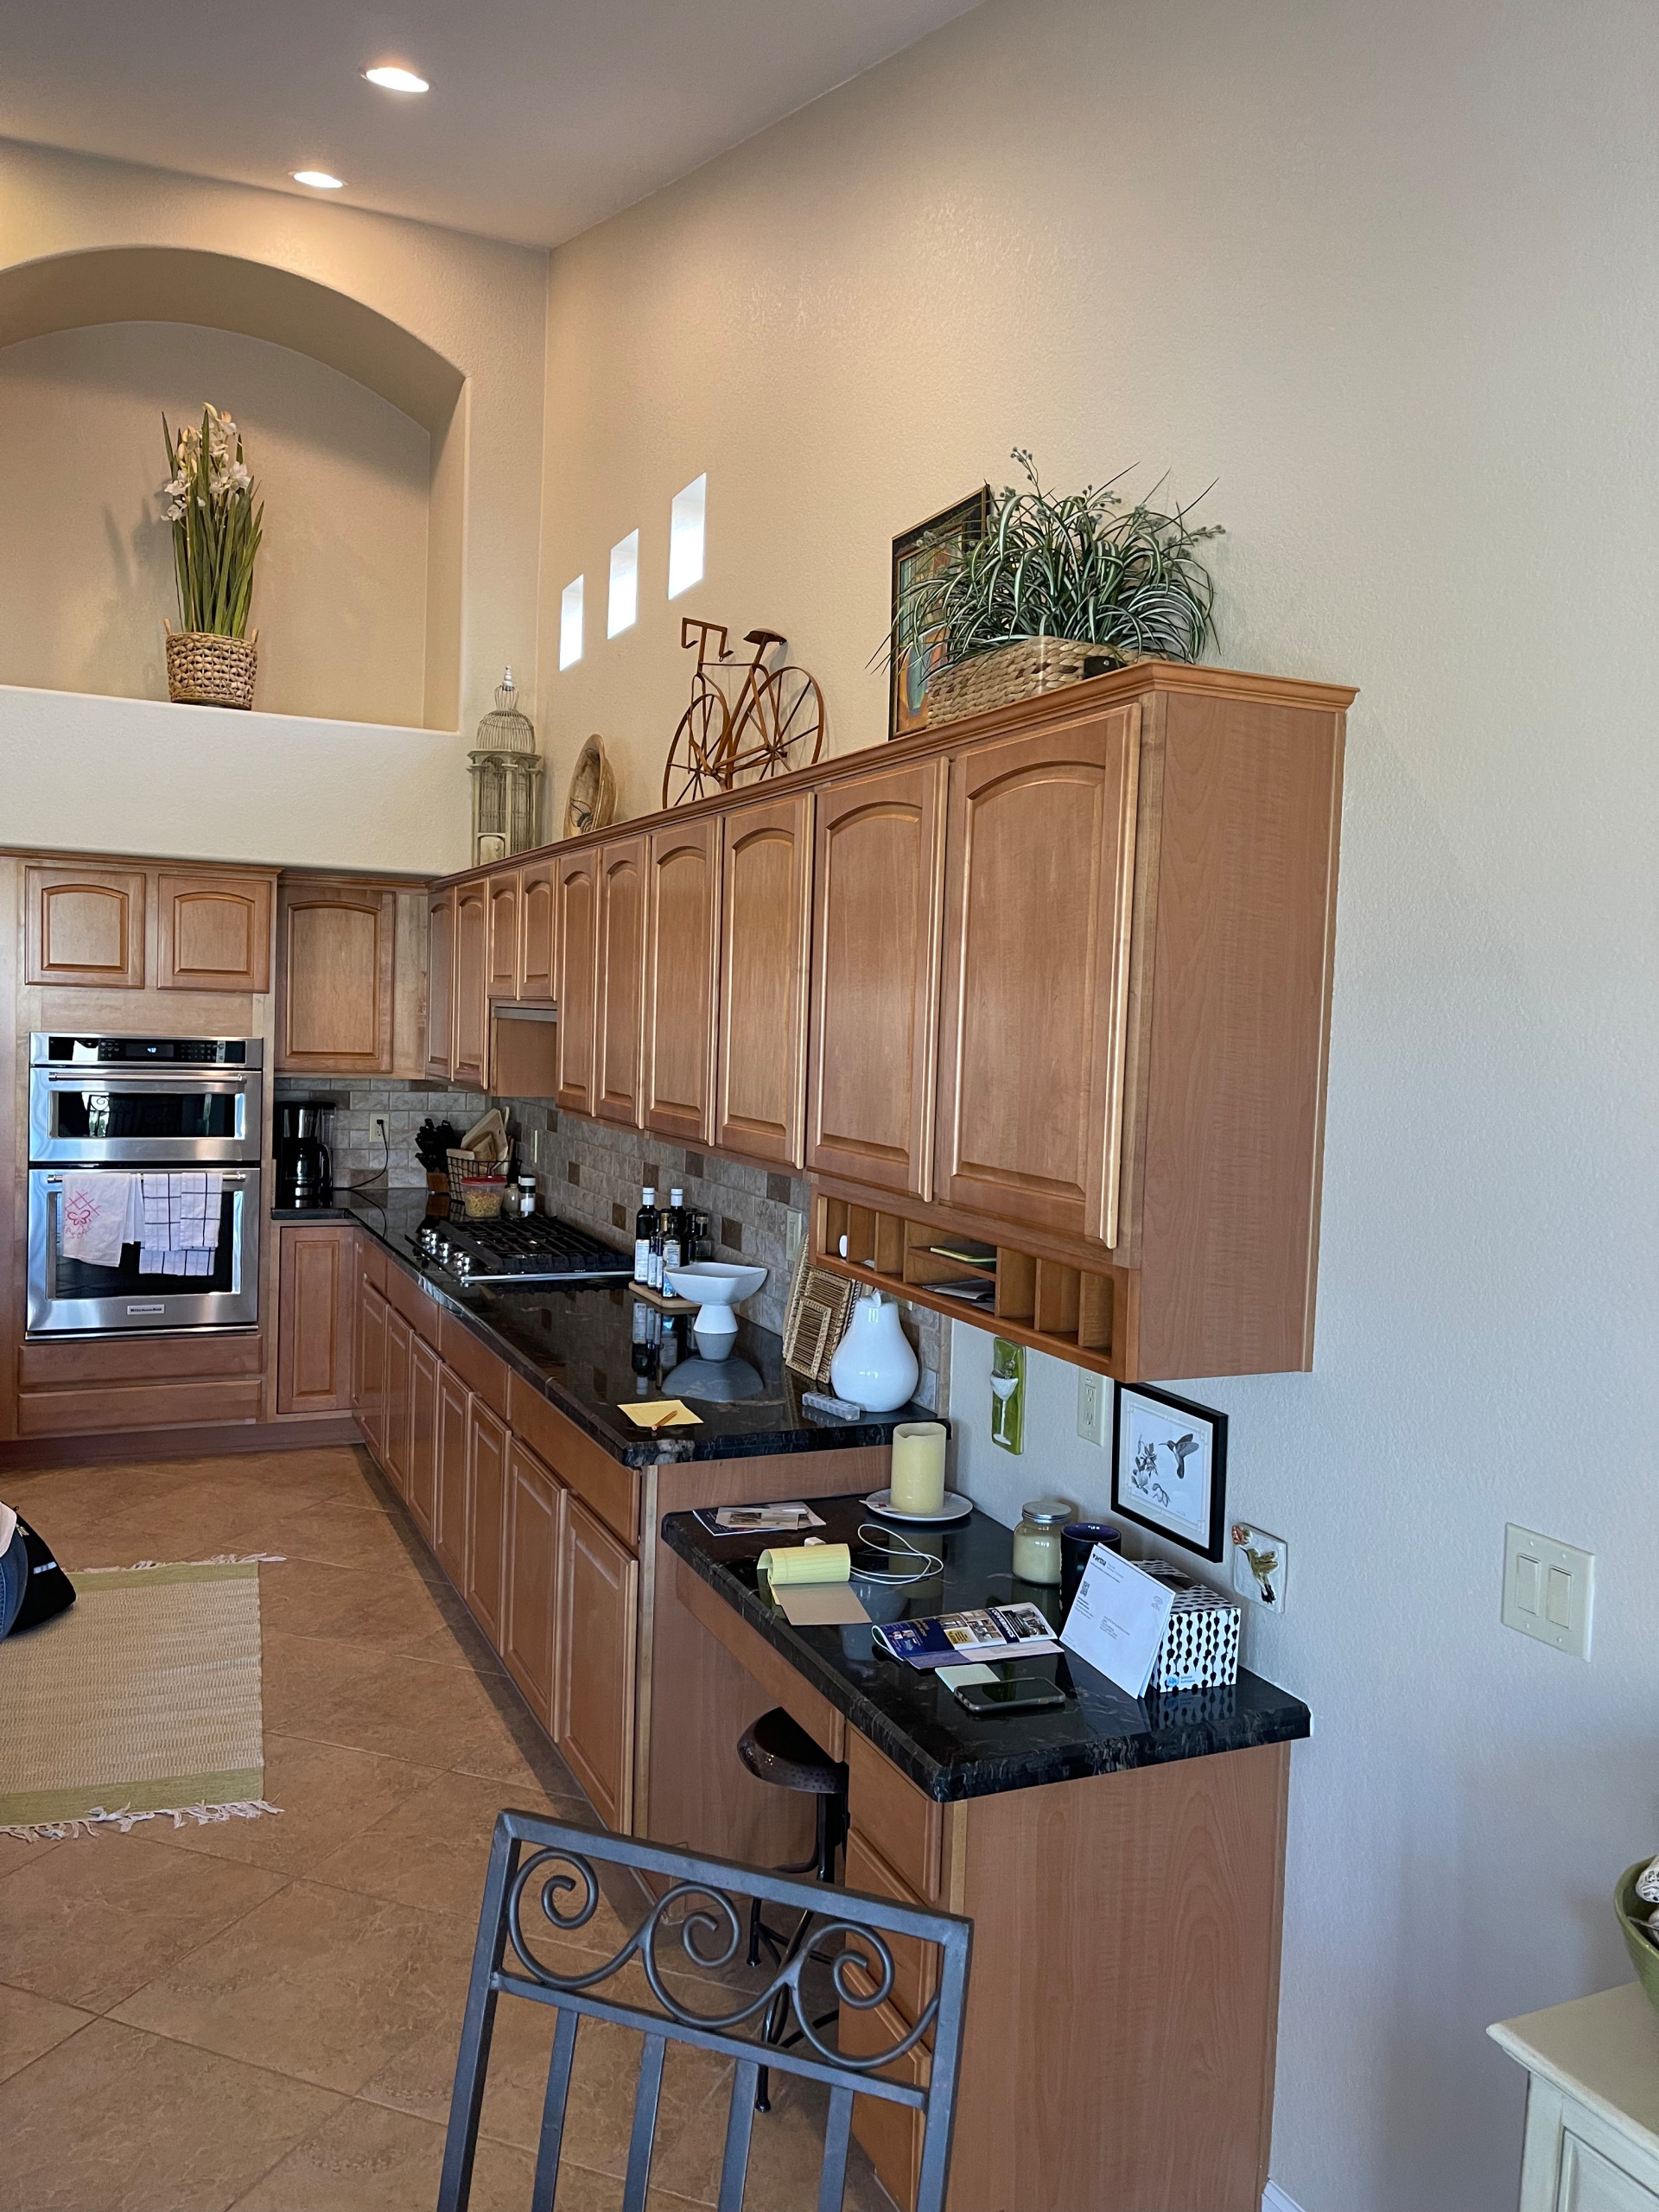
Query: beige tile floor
{"points": [[264, 2014]]}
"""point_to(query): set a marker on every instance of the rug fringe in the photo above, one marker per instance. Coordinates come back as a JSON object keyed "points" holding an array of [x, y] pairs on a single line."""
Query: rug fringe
{"points": [[90, 1824], [219, 1558]]}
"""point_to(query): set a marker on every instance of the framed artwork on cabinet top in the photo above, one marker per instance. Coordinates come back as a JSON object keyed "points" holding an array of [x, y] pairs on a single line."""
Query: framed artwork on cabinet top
{"points": [[1169, 1467], [918, 554]]}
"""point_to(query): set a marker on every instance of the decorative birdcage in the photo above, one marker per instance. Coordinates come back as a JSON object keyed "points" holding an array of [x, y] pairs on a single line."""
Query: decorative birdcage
{"points": [[506, 772]]}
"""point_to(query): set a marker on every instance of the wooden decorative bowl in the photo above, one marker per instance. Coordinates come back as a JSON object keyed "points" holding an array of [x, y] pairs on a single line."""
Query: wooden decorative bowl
{"points": [[592, 800]]}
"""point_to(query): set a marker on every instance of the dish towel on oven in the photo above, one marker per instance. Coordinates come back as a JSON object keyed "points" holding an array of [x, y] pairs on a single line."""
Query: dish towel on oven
{"points": [[180, 1224], [98, 1218]]}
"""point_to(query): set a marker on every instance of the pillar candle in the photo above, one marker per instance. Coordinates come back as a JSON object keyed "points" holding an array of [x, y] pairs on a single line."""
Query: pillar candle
{"points": [[919, 1467]]}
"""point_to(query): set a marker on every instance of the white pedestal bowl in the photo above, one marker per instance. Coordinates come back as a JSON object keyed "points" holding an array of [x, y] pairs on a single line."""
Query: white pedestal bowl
{"points": [[719, 1285]]}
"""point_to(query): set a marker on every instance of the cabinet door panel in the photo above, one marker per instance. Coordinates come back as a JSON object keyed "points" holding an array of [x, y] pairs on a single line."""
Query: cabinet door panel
{"points": [[1038, 872], [440, 983], [766, 881], [878, 857], [470, 1052], [578, 932], [335, 952], [395, 1420], [85, 926], [487, 1503], [503, 935], [449, 1519], [599, 1600], [370, 1367], [316, 1275], [214, 932], [537, 896], [422, 1456], [681, 941], [535, 1510], [620, 980]]}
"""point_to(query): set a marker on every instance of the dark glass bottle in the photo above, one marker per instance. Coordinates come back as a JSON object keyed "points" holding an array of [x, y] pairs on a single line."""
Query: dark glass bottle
{"points": [[673, 1234], [645, 1231]]}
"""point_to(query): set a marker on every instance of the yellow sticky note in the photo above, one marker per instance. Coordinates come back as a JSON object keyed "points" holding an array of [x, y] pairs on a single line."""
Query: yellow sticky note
{"points": [[807, 1563], [662, 1413]]}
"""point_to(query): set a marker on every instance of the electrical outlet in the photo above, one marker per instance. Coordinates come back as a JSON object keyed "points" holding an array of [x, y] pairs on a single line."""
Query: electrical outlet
{"points": [[377, 1130], [1091, 1407], [1548, 1590]]}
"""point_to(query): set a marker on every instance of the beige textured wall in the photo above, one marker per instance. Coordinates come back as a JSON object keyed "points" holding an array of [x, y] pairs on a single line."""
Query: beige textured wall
{"points": [[85, 564], [1391, 274]]}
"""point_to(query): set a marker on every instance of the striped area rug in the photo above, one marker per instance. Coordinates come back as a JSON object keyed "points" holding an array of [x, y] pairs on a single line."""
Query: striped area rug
{"points": [[142, 1702]]}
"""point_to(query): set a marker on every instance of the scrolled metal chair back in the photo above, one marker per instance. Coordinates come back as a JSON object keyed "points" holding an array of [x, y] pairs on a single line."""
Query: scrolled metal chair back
{"points": [[540, 1867]]}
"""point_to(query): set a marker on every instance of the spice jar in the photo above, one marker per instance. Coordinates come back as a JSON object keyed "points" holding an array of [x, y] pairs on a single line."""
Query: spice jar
{"points": [[1037, 1540]]}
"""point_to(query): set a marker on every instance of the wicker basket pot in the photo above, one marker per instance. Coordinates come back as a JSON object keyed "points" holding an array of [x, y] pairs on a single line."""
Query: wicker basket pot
{"points": [[204, 669], [1020, 670]]}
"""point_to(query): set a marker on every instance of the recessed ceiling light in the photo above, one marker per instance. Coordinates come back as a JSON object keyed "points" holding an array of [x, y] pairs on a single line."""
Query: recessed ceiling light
{"points": [[392, 79], [319, 179]]}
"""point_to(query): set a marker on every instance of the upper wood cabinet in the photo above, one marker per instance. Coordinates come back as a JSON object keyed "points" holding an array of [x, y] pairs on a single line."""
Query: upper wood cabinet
{"points": [[576, 937], [440, 981], [334, 996], [537, 896], [503, 964], [1040, 868], [213, 932], [878, 857], [470, 1052], [85, 926], [620, 980], [761, 1037], [682, 950]]}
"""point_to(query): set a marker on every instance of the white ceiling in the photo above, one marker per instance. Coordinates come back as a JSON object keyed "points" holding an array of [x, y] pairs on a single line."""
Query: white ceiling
{"points": [[542, 119]]}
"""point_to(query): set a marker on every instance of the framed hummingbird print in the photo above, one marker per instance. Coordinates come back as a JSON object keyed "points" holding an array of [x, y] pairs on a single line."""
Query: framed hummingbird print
{"points": [[1169, 1467]]}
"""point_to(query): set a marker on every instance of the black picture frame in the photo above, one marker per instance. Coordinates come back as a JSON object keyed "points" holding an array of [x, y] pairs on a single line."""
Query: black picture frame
{"points": [[953, 526], [1144, 1510]]}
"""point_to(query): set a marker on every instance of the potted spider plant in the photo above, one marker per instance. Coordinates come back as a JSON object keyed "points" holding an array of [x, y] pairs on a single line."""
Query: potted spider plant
{"points": [[209, 500], [1057, 588]]}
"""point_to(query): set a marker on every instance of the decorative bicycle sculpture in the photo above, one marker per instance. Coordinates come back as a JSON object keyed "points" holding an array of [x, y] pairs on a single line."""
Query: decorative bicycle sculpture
{"points": [[775, 723]]}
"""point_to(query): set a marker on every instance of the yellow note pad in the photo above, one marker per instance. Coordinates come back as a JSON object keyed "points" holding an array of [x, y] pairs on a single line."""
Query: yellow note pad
{"points": [[662, 1413], [807, 1563]]}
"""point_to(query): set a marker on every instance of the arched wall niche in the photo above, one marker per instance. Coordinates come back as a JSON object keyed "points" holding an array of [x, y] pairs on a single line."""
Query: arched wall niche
{"points": [[205, 292]]}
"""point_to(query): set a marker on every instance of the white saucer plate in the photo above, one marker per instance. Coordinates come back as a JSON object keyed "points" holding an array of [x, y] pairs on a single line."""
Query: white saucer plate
{"points": [[954, 1507]]}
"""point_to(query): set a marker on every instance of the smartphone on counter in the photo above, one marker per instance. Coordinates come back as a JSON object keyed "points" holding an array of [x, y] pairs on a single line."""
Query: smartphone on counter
{"points": [[1015, 1692]]}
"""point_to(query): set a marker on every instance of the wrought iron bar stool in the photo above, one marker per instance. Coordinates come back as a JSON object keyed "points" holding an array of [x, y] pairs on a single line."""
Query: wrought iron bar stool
{"points": [[778, 1750]]}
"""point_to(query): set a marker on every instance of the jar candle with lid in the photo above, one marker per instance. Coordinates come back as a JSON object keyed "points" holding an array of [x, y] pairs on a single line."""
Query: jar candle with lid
{"points": [[1037, 1540]]}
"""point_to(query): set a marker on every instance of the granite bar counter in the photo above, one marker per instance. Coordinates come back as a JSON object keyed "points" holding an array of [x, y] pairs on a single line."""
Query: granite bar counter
{"points": [[947, 1752], [577, 1348]]}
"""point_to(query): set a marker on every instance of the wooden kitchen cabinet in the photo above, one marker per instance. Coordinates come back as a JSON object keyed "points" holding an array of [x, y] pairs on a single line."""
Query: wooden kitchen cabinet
{"points": [[766, 889], [576, 940], [682, 950], [1039, 873], [336, 943], [537, 905], [212, 931], [395, 1420], [599, 1601], [878, 865], [440, 983], [85, 926], [620, 980], [486, 1508], [316, 1283], [504, 923], [370, 1367], [449, 1515], [535, 1503], [470, 1053], [422, 1453]]}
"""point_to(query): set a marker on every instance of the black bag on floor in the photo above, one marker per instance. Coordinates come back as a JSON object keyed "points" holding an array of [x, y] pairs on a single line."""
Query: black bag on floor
{"points": [[49, 1591]]}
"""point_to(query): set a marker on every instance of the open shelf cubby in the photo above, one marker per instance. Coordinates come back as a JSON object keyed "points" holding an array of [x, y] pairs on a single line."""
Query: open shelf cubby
{"points": [[1047, 1303]]}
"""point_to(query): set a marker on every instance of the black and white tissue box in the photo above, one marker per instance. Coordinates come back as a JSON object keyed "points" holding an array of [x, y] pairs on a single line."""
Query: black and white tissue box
{"points": [[1200, 1647]]}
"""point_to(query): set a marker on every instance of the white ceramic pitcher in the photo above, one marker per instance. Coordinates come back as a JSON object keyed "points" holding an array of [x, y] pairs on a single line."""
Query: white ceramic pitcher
{"points": [[874, 1365]]}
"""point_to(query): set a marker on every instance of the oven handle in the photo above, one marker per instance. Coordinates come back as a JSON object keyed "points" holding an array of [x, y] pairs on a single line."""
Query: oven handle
{"points": [[55, 1182], [145, 1080]]}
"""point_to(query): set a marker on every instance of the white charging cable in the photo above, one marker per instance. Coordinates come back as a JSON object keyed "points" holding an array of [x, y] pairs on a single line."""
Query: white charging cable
{"points": [[897, 1546]]}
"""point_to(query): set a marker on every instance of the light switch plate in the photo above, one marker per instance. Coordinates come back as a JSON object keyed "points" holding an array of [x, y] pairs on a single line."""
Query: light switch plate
{"points": [[1091, 1407], [1548, 1590]]}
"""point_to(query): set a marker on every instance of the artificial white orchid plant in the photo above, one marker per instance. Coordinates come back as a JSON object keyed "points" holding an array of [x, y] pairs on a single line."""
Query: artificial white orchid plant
{"points": [[208, 499]]}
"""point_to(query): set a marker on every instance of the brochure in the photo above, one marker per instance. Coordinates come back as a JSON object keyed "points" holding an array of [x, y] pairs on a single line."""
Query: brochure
{"points": [[1018, 1630], [758, 1520]]}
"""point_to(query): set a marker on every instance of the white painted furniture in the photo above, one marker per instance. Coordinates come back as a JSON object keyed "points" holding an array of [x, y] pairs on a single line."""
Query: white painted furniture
{"points": [[1593, 2103]]}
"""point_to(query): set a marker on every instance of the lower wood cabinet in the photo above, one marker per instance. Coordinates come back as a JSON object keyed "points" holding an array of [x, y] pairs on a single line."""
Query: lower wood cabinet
{"points": [[449, 1518], [316, 1289], [486, 1517], [593, 1719], [424, 1369], [395, 1417], [371, 1365], [536, 1507]]}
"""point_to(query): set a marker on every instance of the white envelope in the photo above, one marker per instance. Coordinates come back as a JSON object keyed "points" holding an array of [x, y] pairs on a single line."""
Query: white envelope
{"points": [[1117, 1620]]}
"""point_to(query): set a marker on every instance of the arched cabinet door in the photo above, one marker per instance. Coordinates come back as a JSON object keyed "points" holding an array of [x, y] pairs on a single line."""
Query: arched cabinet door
{"points": [[85, 926], [537, 894], [576, 940], [214, 932], [765, 917], [621, 977], [470, 1064], [682, 954]]}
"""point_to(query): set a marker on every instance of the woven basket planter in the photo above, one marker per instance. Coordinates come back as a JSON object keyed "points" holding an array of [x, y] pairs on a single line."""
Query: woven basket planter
{"points": [[204, 669], [1008, 673]]}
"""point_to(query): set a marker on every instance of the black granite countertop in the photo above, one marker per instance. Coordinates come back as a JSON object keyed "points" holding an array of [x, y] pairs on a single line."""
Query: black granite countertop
{"points": [[577, 1347], [946, 1751]]}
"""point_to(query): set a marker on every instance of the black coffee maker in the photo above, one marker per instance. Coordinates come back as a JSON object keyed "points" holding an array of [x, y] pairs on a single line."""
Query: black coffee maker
{"points": [[304, 1171]]}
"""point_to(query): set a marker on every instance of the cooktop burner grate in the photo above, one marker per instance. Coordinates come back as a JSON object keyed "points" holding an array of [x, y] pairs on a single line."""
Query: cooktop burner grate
{"points": [[540, 1250]]}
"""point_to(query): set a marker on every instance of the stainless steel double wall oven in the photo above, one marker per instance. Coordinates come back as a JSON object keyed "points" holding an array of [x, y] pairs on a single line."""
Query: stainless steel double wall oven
{"points": [[151, 1106]]}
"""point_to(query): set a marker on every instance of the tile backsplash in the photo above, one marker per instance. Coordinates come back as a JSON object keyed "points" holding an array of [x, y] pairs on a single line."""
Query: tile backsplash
{"points": [[592, 1172]]}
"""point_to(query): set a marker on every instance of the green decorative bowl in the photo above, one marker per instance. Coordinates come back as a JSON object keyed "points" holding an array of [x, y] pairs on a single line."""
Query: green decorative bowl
{"points": [[1632, 1914]]}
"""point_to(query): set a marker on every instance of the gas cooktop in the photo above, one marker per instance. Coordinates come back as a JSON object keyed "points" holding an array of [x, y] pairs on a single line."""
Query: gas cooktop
{"points": [[538, 1249]]}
